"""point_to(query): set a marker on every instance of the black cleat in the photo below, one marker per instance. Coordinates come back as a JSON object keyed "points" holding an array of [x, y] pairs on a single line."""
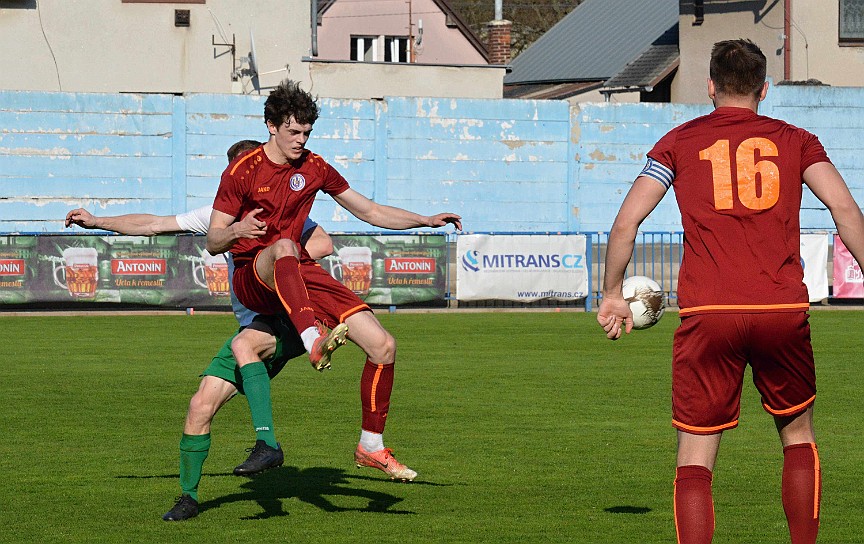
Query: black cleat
{"points": [[261, 458], [185, 508]]}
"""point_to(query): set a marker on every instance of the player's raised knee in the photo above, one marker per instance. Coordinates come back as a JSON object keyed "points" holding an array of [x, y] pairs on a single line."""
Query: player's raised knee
{"points": [[285, 248]]}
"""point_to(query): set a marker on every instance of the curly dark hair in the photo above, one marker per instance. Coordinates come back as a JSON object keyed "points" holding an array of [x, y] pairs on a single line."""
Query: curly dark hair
{"points": [[289, 100]]}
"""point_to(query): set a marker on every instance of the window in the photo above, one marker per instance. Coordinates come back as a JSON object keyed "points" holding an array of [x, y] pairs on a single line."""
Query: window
{"points": [[396, 49], [363, 48], [852, 21], [378, 48]]}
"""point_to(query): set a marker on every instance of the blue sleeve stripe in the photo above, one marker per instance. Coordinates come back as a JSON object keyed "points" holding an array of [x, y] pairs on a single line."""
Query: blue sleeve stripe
{"points": [[658, 172]]}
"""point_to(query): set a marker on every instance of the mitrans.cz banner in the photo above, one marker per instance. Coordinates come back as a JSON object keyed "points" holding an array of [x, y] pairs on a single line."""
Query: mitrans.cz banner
{"points": [[522, 268], [177, 272], [848, 279]]}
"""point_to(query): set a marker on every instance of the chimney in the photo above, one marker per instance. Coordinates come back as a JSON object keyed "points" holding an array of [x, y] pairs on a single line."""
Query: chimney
{"points": [[499, 41]]}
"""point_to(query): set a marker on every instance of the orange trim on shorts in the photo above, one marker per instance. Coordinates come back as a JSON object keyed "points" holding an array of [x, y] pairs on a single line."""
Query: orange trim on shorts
{"points": [[789, 411], [356, 309], [257, 277], [744, 307], [703, 430], [244, 159], [378, 370]]}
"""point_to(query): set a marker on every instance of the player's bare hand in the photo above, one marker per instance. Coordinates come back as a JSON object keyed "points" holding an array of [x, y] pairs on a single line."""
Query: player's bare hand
{"points": [[615, 317], [82, 218], [443, 219], [250, 226]]}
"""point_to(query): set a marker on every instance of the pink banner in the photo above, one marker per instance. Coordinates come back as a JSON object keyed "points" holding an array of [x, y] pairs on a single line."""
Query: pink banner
{"points": [[848, 278]]}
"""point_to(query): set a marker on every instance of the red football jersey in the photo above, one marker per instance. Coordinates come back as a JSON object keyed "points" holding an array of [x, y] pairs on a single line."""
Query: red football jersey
{"points": [[737, 177], [286, 193]]}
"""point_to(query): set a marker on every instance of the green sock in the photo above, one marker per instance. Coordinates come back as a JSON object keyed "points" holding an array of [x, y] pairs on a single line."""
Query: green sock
{"points": [[256, 386], [193, 451]]}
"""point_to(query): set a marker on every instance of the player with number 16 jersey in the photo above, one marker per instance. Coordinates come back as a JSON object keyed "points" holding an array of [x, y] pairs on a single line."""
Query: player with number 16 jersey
{"points": [[738, 182], [738, 178]]}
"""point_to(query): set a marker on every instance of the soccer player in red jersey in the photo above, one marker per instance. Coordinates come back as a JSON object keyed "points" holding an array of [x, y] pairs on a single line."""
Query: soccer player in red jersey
{"points": [[738, 182], [272, 189]]}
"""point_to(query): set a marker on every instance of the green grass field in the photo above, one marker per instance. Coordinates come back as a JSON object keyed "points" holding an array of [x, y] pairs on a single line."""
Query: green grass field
{"points": [[524, 427]]}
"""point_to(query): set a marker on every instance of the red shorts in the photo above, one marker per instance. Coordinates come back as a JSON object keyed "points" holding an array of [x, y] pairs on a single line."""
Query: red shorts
{"points": [[333, 302], [710, 353]]}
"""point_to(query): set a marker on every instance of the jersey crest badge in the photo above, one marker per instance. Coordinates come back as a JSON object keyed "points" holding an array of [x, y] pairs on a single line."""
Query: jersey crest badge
{"points": [[297, 182]]}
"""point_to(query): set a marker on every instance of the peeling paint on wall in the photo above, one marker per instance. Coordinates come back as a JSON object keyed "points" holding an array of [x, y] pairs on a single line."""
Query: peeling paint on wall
{"points": [[513, 144], [339, 215], [599, 156], [34, 151], [537, 172], [68, 201], [343, 160]]}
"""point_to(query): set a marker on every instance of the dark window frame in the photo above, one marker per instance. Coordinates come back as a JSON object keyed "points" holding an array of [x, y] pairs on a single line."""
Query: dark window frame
{"points": [[403, 53], [355, 51]]}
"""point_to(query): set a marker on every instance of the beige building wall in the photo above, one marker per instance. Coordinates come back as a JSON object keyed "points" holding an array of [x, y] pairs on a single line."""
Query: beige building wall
{"points": [[724, 22], [111, 46], [440, 44], [379, 79], [816, 50]]}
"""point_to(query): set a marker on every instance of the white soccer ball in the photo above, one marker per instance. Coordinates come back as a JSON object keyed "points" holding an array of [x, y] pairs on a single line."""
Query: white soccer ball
{"points": [[647, 300]]}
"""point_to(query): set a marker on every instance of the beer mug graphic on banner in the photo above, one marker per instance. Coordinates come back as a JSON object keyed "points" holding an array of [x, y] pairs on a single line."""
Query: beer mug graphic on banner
{"points": [[355, 269], [211, 272], [79, 269]]}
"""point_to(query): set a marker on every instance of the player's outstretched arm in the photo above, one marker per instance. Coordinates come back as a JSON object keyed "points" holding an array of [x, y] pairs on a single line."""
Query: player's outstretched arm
{"points": [[133, 224], [390, 217], [827, 184], [319, 244], [614, 312]]}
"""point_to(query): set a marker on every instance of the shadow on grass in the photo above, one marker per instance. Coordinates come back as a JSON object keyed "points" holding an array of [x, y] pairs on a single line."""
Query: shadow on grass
{"points": [[311, 485], [627, 509]]}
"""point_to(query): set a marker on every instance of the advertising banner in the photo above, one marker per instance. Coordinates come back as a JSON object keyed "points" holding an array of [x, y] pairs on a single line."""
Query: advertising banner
{"points": [[848, 279], [18, 257], [814, 259], [168, 271], [522, 268], [391, 269], [177, 272]]}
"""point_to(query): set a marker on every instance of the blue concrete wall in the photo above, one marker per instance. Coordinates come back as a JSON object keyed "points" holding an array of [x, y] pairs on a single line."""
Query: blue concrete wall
{"points": [[504, 165]]}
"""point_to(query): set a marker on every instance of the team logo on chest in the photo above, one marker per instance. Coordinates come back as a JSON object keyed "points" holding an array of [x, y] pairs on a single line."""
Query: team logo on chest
{"points": [[297, 182]]}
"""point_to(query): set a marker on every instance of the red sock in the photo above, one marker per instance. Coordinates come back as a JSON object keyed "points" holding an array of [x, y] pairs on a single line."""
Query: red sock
{"points": [[694, 505], [376, 383], [802, 490], [292, 292]]}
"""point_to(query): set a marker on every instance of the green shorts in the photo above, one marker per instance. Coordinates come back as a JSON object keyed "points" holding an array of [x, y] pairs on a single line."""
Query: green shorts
{"points": [[288, 346]]}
